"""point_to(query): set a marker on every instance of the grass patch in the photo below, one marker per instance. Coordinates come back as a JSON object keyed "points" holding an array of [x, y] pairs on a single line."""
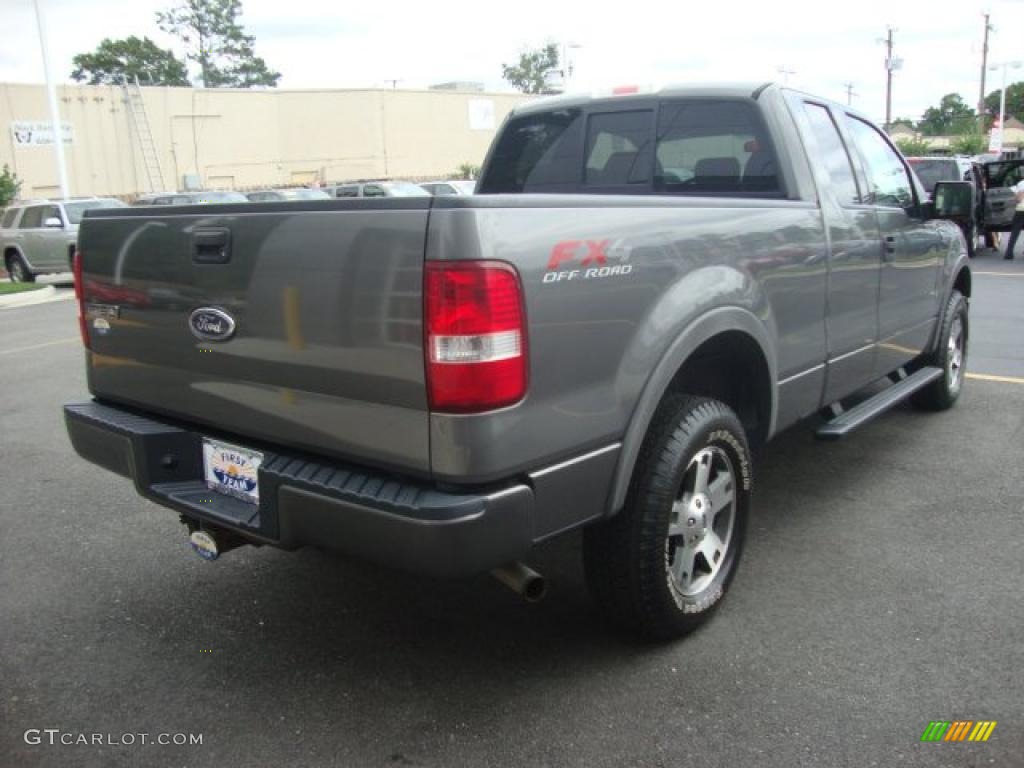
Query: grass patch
{"points": [[9, 288]]}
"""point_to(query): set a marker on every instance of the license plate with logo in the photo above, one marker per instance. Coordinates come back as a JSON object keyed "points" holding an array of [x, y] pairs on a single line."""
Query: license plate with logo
{"points": [[232, 470]]}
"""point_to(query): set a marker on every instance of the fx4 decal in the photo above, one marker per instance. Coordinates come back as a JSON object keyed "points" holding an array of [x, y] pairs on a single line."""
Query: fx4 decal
{"points": [[587, 260]]}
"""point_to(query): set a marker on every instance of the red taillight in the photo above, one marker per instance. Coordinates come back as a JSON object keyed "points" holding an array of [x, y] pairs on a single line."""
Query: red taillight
{"points": [[76, 268], [475, 335]]}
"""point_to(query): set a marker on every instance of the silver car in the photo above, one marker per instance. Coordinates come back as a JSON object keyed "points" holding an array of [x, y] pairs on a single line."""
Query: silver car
{"points": [[449, 187], [38, 236]]}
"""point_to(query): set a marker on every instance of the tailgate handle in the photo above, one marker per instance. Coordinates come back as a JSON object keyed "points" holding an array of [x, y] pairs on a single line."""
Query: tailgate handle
{"points": [[211, 245]]}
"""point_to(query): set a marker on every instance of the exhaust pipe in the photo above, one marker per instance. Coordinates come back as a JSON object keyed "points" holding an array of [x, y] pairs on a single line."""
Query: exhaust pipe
{"points": [[522, 580]]}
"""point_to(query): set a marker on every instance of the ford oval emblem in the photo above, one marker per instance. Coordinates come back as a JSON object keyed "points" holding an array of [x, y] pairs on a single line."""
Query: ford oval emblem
{"points": [[211, 324]]}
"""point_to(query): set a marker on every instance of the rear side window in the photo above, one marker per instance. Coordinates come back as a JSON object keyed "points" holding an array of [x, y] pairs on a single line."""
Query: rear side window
{"points": [[8, 220], [537, 153], [832, 151], [619, 149], [714, 147], [33, 217]]}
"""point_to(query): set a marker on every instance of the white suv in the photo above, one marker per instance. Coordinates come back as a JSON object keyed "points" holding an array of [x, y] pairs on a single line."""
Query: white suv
{"points": [[38, 236]]}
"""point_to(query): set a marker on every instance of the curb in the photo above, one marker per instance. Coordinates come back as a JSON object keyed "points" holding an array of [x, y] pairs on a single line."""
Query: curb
{"points": [[40, 296]]}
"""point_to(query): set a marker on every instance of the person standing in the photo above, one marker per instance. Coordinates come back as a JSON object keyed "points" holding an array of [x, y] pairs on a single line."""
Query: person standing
{"points": [[1018, 218]]}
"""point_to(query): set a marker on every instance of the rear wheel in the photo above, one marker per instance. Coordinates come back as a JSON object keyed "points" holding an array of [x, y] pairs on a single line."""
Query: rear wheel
{"points": [[18, 270], [951, 357], [661, 566]]}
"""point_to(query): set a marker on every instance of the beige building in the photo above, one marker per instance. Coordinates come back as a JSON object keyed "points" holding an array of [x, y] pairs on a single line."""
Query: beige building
{"points": [[238, 139]]}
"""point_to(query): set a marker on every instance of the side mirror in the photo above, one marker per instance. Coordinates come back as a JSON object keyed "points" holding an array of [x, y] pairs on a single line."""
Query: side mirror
{"points": [[53, 223], [953, 200]]}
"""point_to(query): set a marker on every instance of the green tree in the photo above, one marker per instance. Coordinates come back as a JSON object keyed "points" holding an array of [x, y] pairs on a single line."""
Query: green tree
{"points": [[10, 186], [1014, 102], [467, 171], [969, 143], [216, 42], [116, 61], [951, 116], [529, 75], [913, 147]]}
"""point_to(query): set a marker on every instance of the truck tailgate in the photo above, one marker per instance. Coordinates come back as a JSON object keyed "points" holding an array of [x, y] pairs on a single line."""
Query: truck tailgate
{"points": [[326, 353]]}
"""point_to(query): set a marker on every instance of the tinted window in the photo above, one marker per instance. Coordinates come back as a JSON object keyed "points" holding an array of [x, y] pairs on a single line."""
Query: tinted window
{"points": [[713, 147], [618, 148], [889, 182], [372, 190], [52, 212], [833, 153], [537, 153], [33, 217], [347, 192], [932, 170], [8, 220]]}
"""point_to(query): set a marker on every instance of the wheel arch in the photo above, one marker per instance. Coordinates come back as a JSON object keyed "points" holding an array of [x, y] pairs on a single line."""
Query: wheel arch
{"points": [[743, 377]]}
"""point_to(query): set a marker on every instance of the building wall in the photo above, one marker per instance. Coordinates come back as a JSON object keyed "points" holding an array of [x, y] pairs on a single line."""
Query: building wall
{"points": [[237, 139]]}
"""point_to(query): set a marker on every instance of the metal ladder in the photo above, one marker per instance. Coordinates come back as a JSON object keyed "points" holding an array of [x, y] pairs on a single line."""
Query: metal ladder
{"points": [[150, 156]]}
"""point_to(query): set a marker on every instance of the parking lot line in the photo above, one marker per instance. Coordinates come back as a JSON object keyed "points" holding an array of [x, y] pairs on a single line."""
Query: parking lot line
{"points": [[993, 377], [68, 340]]}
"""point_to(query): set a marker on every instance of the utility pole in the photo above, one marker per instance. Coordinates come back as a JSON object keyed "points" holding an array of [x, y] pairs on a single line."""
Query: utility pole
{"points": [[984, 66], [849, 93], [785, 74]]}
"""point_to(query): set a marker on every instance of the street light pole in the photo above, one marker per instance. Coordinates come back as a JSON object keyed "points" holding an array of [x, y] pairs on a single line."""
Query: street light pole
{"points": [[51, 92], [1002, 103]]}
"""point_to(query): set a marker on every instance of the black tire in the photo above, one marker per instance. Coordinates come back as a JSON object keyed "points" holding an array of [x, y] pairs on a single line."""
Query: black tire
{"points": [[950, 355], [971, 236], [636, 570], [18, 270]]}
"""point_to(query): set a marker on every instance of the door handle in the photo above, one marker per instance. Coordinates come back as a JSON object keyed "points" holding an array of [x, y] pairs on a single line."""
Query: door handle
{"points": [[890, 245], [211, 245]]}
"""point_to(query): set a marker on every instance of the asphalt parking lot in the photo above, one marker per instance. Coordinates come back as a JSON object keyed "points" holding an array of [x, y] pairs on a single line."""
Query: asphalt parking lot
{"points": [[880, 589]]}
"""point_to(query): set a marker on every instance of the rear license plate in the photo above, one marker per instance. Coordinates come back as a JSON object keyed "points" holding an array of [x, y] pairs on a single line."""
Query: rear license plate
{"points": [[232, 470]]}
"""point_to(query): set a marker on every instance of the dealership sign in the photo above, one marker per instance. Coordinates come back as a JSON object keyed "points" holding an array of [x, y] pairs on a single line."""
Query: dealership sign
{"points": [[33, 133]]}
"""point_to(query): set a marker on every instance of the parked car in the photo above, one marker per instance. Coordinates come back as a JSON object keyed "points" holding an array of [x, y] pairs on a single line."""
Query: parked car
{"points": [[450, 187], [38, 236], [191, 198], [278, 195], [376, 189], [587, 342]]}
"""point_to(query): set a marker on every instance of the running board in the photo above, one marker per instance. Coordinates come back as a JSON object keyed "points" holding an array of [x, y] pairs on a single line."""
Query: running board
{"points": [[847, 421]]}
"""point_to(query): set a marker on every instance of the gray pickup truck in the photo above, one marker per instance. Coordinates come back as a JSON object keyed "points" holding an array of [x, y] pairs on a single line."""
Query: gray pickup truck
{"points": [[645, 290]]}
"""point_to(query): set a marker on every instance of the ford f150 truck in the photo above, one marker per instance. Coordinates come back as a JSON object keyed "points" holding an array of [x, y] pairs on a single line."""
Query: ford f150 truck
{"points": [[645, 290]]}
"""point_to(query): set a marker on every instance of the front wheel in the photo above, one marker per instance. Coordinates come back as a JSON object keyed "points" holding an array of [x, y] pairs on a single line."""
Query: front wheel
{"points": [[19, 271], [662, 565], [950, 356]]}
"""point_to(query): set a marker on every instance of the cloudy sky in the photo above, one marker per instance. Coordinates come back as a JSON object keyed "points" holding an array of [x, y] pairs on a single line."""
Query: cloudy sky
{"points": [[334, 43]]}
